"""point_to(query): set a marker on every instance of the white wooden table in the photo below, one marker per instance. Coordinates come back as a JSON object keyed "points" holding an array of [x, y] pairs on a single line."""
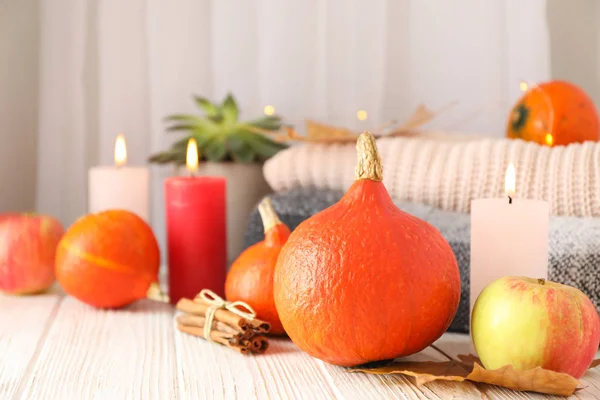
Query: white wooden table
{"points": [[54, 347]]}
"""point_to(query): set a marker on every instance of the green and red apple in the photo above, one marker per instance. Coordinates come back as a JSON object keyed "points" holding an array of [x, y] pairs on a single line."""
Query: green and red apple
{"points": [[529, 323], [28, 245]]}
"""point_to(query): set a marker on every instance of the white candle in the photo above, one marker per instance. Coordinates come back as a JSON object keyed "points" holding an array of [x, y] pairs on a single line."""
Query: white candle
{"points": [[509, 237], [119, 187]]}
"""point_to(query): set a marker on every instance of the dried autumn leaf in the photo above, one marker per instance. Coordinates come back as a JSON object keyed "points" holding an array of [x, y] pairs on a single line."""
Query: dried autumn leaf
{"points": [[317, 132], [421, 116], [535, 380], [469, 359], [422, 371], [595, 363]]}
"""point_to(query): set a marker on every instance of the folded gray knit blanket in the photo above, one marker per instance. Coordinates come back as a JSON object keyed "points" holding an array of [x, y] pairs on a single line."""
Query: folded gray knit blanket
{"points": [[574, 243]]}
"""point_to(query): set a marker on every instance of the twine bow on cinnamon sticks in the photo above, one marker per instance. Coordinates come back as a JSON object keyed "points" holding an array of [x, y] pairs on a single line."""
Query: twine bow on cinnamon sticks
{"points": [[216, 302], [233, 324]]}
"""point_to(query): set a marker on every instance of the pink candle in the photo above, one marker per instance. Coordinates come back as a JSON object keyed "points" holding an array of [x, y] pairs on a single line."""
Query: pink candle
{"points": [[196, 232]]}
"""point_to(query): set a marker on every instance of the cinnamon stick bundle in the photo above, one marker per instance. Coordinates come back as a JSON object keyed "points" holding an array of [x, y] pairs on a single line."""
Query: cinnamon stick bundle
{"points": [[199, 308], [258, 324], [195, 320], [215, 336], [242, 334]]}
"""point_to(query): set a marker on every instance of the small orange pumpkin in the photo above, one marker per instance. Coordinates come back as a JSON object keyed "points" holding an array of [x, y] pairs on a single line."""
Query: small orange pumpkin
{"points": [[364, 281], [554, 113], [250, 278], [109, 259]]}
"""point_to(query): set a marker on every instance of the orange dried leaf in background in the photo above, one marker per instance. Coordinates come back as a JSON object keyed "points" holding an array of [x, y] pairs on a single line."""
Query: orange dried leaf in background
{"points": [[318, 132], [595, 363], [421, 116]]}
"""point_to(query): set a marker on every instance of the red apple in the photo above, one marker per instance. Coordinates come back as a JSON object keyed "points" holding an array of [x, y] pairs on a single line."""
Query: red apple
{"points": [[531, 323], [27, 249]]}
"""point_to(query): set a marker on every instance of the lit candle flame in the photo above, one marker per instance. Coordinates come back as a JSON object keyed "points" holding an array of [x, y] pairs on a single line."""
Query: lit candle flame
{"points": [[120, 151], [549, 139], [269, 110], [191, 157], [361, 115], [524, 86], [510, 181]]}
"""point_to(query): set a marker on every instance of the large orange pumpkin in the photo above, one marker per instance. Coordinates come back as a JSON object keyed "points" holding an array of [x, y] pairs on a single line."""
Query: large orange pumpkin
{"points": [[108, 259], [554, 113], [250, 278], [362, 280]]}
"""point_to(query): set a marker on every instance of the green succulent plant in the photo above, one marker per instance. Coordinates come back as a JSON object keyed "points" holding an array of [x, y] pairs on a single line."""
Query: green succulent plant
{"points": [[221, 136]]}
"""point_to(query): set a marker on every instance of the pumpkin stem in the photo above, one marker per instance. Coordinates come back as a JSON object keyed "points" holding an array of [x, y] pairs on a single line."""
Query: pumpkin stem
{"points": [[155, 293], [268, 215], [369, 163]]}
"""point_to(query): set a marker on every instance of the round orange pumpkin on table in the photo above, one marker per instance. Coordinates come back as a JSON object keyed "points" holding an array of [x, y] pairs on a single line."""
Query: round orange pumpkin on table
{"points": [[364, 281], [108, 260], [554, 113]]}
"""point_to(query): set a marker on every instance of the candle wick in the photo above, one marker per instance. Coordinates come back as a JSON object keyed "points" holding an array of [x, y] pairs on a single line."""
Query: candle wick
{"points": [[509, 200]]}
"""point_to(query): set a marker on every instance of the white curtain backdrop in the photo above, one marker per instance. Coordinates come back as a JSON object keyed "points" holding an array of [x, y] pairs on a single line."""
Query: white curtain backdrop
{"points": [[116, 66]]}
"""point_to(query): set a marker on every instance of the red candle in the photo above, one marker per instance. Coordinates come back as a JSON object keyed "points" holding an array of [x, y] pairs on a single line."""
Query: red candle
{"points": [[196, 232]]}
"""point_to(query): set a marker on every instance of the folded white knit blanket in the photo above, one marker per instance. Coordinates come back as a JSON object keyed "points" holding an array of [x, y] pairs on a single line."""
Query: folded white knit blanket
{"points": [[447, 174]]}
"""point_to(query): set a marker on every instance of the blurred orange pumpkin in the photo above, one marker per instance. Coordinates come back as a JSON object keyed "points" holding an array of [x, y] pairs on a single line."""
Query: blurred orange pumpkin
{"points": [[554, 113], [250, 278]]}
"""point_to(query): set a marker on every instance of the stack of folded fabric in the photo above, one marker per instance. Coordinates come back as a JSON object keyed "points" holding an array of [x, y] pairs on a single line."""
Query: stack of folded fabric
{"points": [[448, 174], [425, 179]]}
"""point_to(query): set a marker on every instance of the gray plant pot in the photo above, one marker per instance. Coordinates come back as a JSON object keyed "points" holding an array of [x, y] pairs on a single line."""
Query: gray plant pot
{"points": [[246, 186]]}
